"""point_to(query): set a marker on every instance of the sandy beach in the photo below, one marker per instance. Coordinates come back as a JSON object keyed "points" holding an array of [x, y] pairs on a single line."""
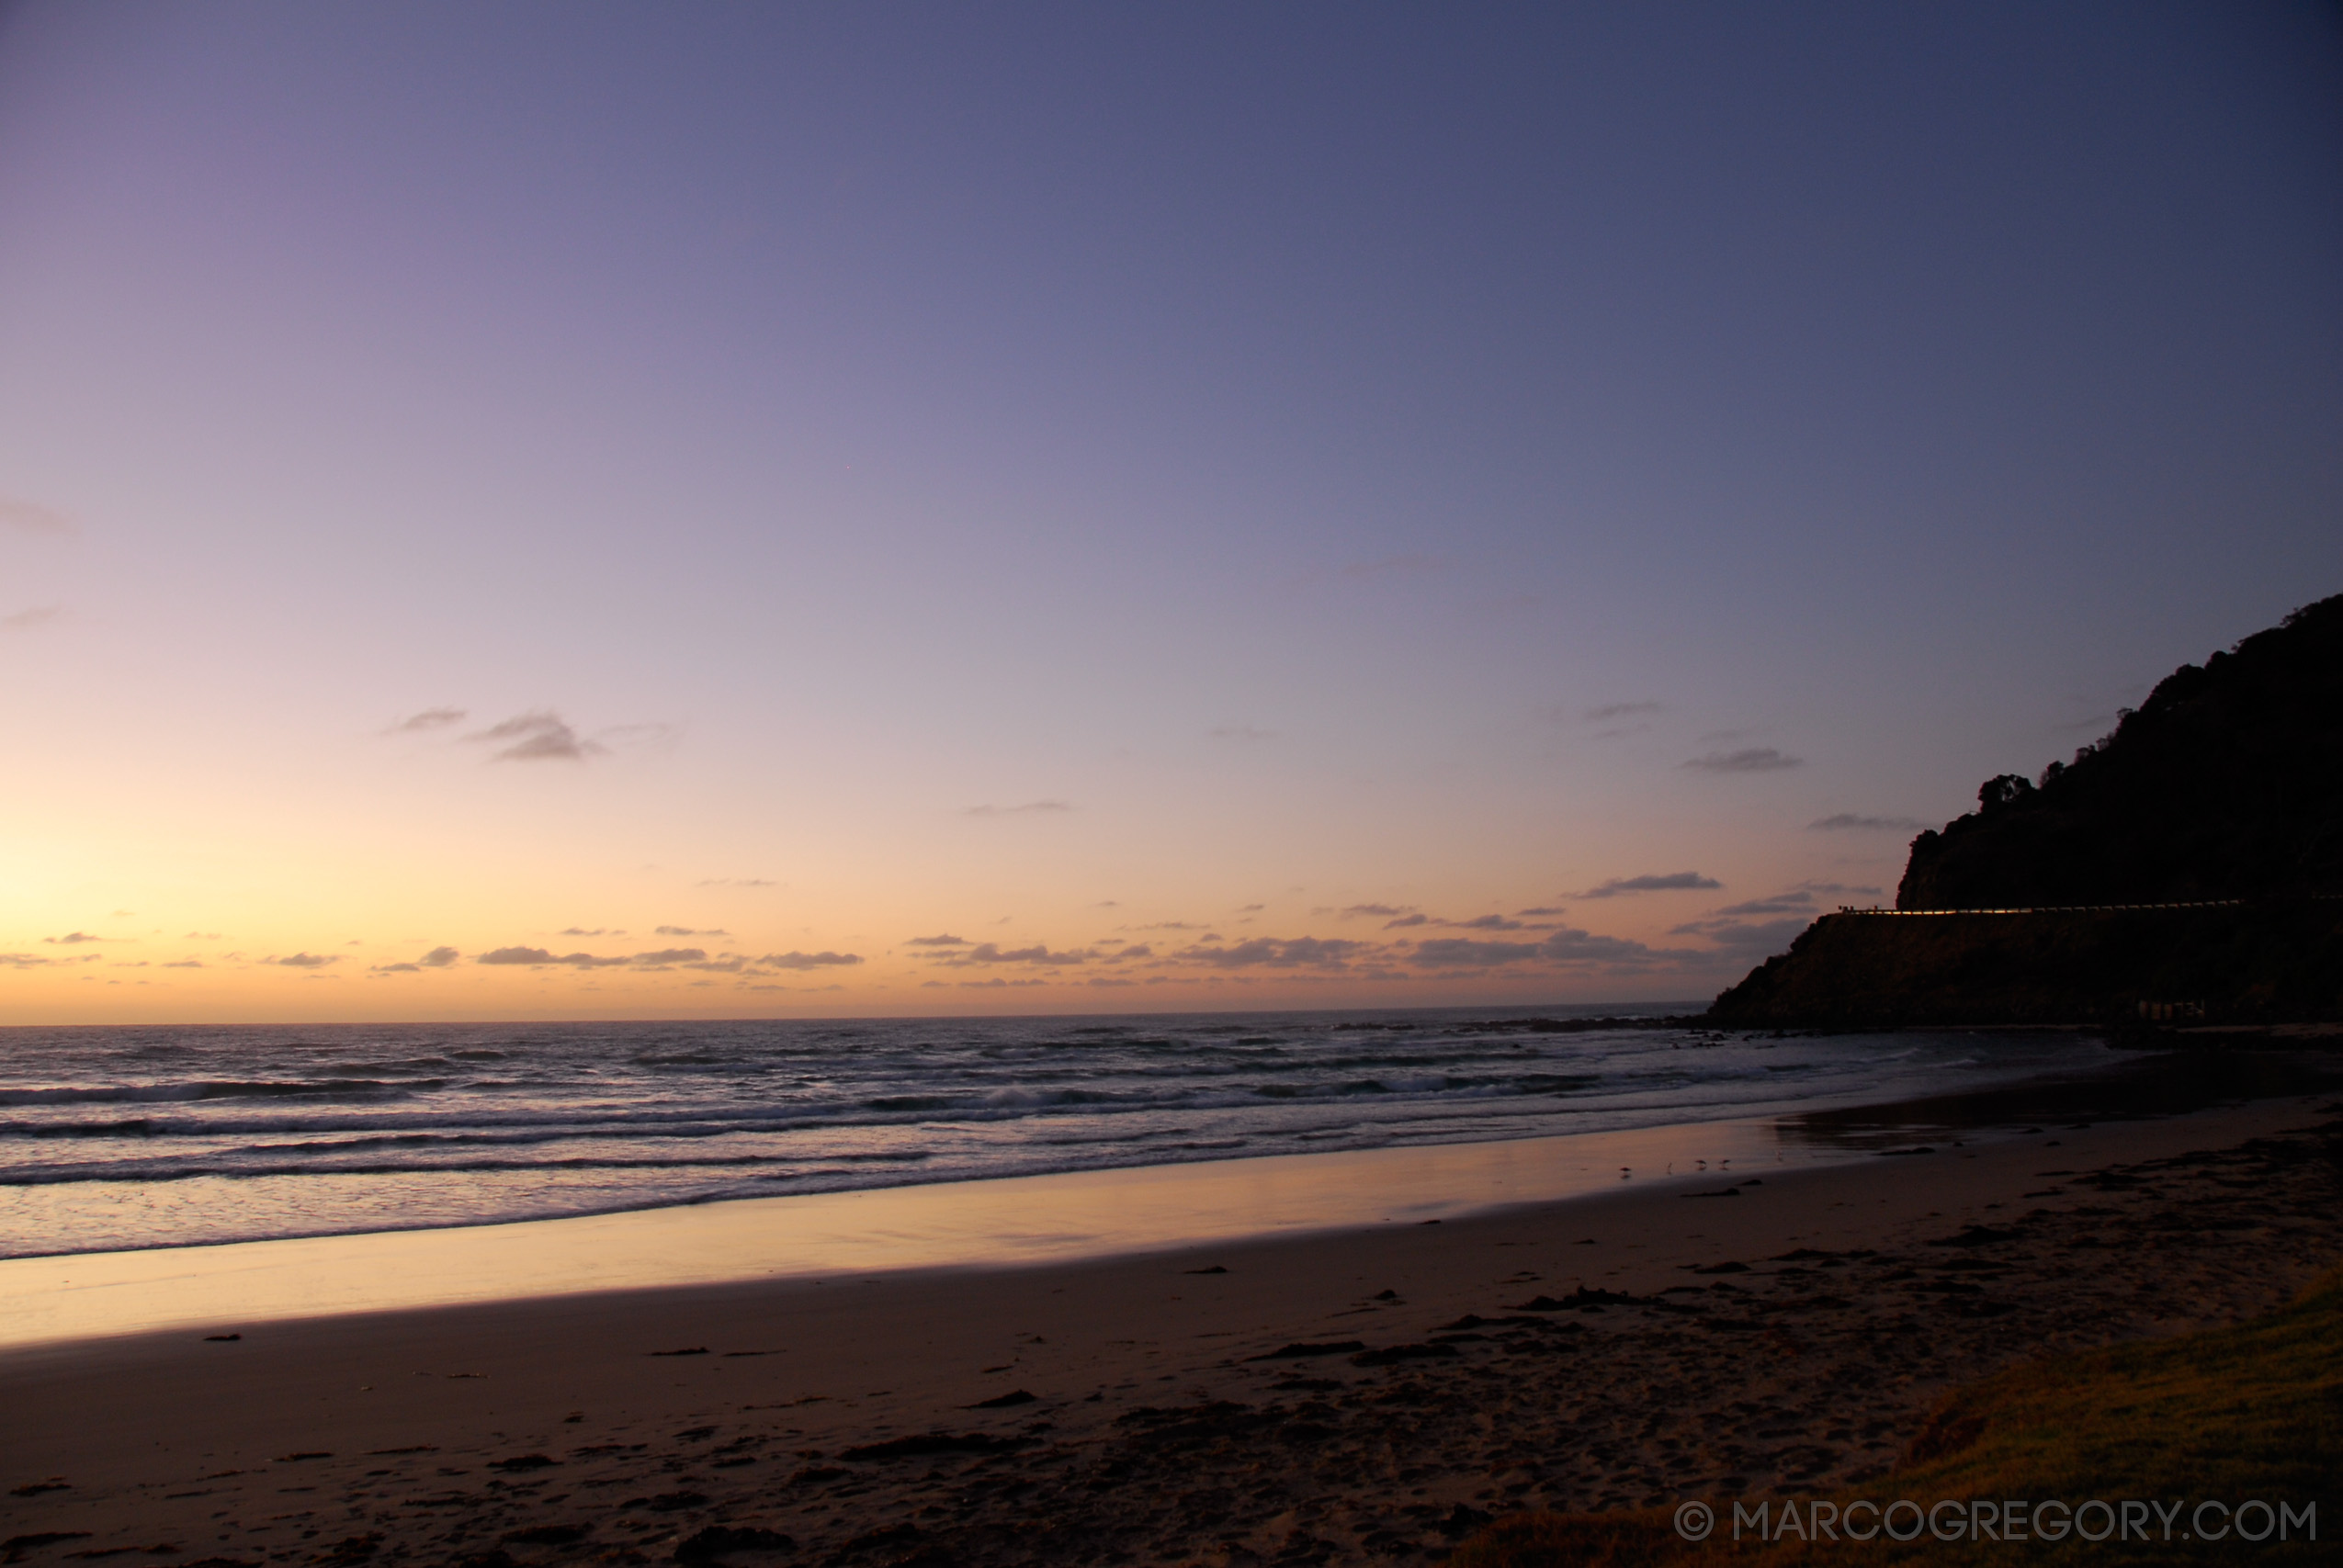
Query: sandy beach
{"points": [[1365, 1394]]}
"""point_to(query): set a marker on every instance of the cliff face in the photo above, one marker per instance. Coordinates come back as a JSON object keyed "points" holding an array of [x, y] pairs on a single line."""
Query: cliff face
{"points": [[2273, 961], [2227, 783]]}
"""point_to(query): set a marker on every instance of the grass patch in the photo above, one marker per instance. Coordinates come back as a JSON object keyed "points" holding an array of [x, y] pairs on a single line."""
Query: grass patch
{"points": [[2231, 1414]]}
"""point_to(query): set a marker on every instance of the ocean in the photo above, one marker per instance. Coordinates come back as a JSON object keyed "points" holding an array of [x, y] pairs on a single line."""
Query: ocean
{"points": [[133, 1137]]}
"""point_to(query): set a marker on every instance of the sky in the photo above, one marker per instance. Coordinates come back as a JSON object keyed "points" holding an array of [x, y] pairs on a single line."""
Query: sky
{"points": [[575, 510]]}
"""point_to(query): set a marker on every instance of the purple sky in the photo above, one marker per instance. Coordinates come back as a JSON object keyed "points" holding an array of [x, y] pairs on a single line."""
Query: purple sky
{"points": [[1062, 476]]}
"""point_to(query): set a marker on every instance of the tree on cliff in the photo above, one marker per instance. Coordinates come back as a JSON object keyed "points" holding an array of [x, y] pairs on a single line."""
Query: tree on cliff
{"points": [[2227, 783]]}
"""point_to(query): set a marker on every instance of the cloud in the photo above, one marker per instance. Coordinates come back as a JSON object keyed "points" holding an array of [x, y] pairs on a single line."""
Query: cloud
{"points": [[540, 737], [1387, 911], [185, 964], [203, 936], [1271, 952], [536, 956], [1566, 947], [1406, 921], [1242, 733], [25, 620], [1749, 759], [808, 960], [1541, 910], [1667, 881], [1450, 951], [1485, 923], [25, 961], [33, 517], [686, 930], [940, 941], [1251, 909], [1780, 904], [1030, 809], [581, 931], [429, 719], [735, 881], [1835, 887], [1570, 945], [305, 960], [1610, 711], [438, 958], [1850, 821], [987, 953], [1747, 937], [71, 939], [672, 955], [1135, 950]]}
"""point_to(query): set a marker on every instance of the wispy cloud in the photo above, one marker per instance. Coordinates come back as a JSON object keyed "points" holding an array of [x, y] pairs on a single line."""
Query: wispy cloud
{"points": [[1609, 712], [305, 960], [1662, 881], [428, 719], [687, 930], [25, 620], [1450, 951], [990, 952], [1568, 948], [1485, 923], [25, 961], [939, 940], [1780, 904], [1242, 733], [1403, 921], [808, 960], [1273, 952], [1385, 911], [1749, 760], [1744, 936], [72, 939], [1030, 809], [33, 517], [735, 881], [1851, 821], [1541, 909], [542, 737], [538, 958]]}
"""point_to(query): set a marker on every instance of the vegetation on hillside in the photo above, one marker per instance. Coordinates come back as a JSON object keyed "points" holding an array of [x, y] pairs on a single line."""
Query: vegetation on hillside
{"points": [[2227, 783]]}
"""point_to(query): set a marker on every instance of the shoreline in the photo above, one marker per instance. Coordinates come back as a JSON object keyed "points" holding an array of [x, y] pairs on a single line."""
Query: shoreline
{"points": [[1314, 1397], [1018, 1221]]}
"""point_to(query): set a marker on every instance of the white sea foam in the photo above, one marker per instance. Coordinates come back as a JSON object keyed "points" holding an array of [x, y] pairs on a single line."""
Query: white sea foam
{"points": [[135, 1137]]}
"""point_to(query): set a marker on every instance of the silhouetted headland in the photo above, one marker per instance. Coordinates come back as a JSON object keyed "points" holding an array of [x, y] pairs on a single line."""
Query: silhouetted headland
{"points": [[2186, 869]]}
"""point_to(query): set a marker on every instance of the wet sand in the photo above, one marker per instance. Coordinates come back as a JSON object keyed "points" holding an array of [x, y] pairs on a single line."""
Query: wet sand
{"points": [[1365, 1395]]}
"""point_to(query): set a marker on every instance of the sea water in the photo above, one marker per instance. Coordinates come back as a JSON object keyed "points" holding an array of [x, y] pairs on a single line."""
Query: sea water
{"points": [[129, 1137]]}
